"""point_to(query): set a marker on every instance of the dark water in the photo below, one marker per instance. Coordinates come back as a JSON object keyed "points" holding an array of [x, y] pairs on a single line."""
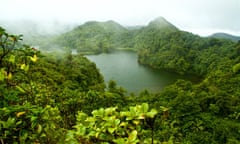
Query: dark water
{"points": [[122, 66]]}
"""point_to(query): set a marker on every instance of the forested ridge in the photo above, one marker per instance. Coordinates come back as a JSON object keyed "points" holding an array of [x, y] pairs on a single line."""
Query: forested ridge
{"points": [[62, 98], [97, 37], [225, 36]]}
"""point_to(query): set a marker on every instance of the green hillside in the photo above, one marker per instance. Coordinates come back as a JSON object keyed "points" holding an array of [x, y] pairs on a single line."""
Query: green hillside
{"points": [[182, 52], [97, 37]]}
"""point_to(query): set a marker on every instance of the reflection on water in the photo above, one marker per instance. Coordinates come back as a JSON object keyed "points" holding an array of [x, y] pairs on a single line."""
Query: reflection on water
{"points": [[122, 66]]}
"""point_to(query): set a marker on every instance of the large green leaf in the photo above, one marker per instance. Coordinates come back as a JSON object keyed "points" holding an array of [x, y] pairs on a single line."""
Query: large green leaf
{"points": [[132, 136], [152, 113], [98, 113], [11, 59], [144, 108]]}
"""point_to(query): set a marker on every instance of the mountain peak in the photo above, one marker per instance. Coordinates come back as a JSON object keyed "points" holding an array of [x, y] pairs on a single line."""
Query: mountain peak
{"points": [[161, 22]]}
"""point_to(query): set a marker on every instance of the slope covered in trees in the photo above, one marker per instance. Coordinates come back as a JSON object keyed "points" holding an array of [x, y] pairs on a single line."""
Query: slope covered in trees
{"points": [[97, 37], [183, 52]]}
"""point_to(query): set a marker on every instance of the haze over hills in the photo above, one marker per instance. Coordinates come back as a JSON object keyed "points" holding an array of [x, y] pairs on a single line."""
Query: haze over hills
{"points": [[36, 33], [30, 28], [226, 36], [94, 36], [103, 36], [162, 23]]}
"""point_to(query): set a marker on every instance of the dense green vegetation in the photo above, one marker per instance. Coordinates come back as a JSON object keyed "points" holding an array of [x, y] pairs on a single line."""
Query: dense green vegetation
{"points": [[62, 98], [42, 96], [183, 52], [97, 37]]}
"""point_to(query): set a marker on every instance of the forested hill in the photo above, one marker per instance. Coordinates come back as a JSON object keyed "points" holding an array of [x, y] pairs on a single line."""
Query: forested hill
{"points": [[179, 51], [96, 37], [182, 52], [100, 37], [226, 36], [162, 23]]}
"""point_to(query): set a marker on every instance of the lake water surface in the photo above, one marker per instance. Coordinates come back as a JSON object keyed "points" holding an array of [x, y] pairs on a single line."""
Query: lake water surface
{"points": [[122, 66]]}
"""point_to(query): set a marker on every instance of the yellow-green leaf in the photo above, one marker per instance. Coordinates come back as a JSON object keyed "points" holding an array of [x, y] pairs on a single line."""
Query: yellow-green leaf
{"points": [[34, 58], [24, 67], [39, 129], [2, 76], [9, 76], [20, 89], [111, 130], [11, 59], [132, 136], [136, 122], [152, 113], [20, 113]]}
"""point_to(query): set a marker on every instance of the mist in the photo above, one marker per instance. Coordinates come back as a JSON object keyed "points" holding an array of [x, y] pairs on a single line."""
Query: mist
{"points": [[29, 27], [39, 34], [51, 17]]}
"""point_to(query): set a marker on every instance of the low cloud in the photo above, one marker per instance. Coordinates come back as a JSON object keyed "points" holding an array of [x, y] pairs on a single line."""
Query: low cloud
{"points": [[192, 15]]}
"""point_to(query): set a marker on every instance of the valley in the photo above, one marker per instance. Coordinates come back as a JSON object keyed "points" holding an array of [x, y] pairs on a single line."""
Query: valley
{"points": [[90, 89]]}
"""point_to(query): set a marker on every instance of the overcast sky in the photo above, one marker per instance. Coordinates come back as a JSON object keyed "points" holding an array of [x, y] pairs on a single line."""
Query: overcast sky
{"points": [[198, 16]]}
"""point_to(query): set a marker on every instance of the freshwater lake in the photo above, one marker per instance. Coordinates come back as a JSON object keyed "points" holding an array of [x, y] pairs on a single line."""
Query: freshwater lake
{"points": [[122, 67]]}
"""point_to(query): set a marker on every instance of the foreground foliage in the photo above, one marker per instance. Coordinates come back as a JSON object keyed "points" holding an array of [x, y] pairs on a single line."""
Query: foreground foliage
{"points": [[111, 126]]}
